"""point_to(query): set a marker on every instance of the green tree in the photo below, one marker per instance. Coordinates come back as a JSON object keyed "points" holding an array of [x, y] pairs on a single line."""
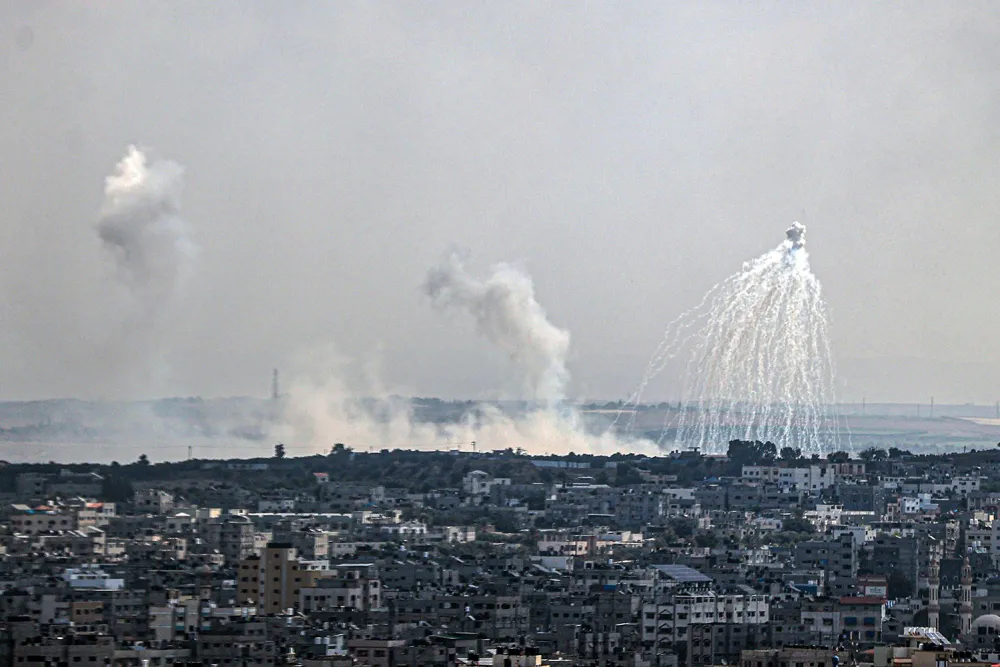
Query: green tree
{"points": [[838, 457], [627, 475], [143, 460], [873, 454], [790, 454], [797, 524], [899, 585], [116, 489], [706, 540], [279, 451], [751, 452], [683, 528]]}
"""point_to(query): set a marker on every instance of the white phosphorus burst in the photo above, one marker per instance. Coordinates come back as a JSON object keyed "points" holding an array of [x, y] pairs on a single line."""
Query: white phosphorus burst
{"points": [[756, 360]]}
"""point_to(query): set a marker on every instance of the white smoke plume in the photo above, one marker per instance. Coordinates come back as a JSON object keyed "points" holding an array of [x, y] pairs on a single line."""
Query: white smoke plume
{"points": [[323, 406], [141, 226], [508, 315], [141, 229]]}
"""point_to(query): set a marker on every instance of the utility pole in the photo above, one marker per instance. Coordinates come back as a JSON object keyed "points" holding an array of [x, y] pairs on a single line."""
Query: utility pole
{"points": [[274, 385], [189, 452], [932, 407], [864, 405]]}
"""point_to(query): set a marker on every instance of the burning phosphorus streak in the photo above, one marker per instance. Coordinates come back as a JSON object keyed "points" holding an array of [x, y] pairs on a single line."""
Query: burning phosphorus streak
{"points": [[756, 360]]}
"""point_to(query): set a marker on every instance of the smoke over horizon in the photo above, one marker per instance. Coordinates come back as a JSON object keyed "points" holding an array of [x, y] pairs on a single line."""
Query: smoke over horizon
{"points": [[508, 315], [631, 156], [324, 407], [140, 225], [328, 402]]}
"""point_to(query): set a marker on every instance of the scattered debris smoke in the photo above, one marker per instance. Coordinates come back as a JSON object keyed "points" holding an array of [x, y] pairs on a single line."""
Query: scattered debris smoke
{"points": [[509, 316]]}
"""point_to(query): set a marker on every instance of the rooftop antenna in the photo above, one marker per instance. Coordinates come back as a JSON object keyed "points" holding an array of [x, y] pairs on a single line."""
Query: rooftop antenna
{"points": [[274, 385]]}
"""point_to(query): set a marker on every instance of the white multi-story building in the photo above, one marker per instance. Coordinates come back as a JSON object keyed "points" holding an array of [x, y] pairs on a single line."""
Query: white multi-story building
{"points": [[92, 577], [986, 535], [669, 621], [806, 478], [404, 529], [479, 483], [766, 524], [921, 504], [825, 516], [813, 478], [763, 474], [966, 484], [859, 534], [454, 533]]}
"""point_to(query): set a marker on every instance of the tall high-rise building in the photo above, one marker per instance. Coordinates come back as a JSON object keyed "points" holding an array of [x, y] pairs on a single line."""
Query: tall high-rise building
{"points": [[272, 580]]}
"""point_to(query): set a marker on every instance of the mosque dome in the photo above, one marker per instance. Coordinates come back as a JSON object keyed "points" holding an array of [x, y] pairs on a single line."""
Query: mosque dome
{"points": [[985, 626], [989, 621]]}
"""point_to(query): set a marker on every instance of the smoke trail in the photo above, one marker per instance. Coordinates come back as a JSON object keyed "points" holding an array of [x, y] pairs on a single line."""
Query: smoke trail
{"points": [[140, 225], [508, 315]]}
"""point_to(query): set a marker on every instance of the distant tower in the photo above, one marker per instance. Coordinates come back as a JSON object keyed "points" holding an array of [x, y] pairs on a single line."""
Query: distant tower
{"points": [[965, 609], [274, 385], [934, 588]]}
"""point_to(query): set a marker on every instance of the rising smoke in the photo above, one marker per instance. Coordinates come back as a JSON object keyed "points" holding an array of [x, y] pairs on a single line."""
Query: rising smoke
{"points": [[323, 407], [141, 229], [140, 225], [508, 315]]}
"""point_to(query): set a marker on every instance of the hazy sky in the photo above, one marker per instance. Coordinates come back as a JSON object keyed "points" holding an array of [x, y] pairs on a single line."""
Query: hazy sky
{"points": [[628, 155]]}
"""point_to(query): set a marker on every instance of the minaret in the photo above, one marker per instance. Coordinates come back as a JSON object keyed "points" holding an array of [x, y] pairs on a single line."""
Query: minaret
{"points": [[934, 588], [965, 608]]}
